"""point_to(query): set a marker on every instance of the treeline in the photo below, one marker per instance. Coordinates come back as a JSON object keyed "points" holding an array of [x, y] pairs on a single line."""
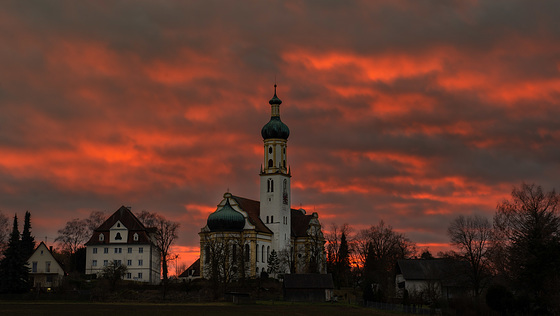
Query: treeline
{"points": [[513, 260], [15, 248]]}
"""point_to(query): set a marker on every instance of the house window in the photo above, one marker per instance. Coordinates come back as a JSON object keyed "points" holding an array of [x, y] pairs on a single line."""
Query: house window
{"points": [[129, 263], [139, 275], [117, 262], [140, 262], [101, 237], [49, 278], [34, 269], [118, 250], [94, 263], [118, 237], [135, 236], [129, 275], [105, 263], [94, 250], [129, 249], [140, 250], [105, 250], [48, 266]]}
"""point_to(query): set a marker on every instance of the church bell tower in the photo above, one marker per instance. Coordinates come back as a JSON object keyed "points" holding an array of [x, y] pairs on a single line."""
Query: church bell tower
{"points": [[275, 195]]}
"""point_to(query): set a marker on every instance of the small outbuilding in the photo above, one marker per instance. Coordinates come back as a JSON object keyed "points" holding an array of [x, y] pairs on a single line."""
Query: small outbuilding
{"points": [[312, 287]]}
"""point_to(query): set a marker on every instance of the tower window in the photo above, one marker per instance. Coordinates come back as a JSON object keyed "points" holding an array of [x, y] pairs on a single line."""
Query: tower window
{"points": [[272, 219], [247, 252], [270, 185], [262, 254], [270, 163], [257, 252], [270, 150], [267, 219]]}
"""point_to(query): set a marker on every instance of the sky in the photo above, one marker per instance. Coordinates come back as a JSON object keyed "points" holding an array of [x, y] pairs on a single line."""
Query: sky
{"points": [[410, 112]]}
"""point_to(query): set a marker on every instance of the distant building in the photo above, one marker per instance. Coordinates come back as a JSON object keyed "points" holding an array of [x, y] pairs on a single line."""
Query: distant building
{"points": [[45, 270], [429, 279], [242, 233], [192, 272], [308, 287], [123, 239]]}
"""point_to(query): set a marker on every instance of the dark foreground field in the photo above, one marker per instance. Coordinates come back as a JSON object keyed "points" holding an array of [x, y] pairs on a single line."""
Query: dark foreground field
{"points": [[222, 309]]}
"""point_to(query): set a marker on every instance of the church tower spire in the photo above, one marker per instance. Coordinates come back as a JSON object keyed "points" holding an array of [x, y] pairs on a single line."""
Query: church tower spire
{"points": [[275, 195]]}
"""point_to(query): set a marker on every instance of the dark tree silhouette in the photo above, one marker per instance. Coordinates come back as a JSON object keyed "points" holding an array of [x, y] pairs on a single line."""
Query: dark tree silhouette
{"points": [[527, 245], [14, 272], [27, 240]]}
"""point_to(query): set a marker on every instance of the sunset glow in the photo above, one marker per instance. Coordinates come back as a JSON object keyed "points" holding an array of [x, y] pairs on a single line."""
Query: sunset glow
{"points": [[399, 111]]}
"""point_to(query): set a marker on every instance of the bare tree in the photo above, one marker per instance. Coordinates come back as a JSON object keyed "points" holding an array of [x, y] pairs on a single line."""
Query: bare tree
{"points": [[379, 248], [95, 219], [4, 232], [165, 235], [472, 236], [114, 272], [73, 235]]}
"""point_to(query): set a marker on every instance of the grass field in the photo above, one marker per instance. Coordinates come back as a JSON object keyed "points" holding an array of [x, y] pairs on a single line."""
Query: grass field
{"points": [[222, 309]]}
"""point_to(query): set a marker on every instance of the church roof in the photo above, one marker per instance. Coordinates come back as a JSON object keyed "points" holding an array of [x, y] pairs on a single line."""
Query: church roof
{"points": [[300, 221], [226, 219], [131, 222], [253, 209]]}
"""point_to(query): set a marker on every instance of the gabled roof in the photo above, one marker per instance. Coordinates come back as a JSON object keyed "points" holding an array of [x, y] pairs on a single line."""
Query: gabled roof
{"points": [[300, 223], [193, 267], [131, 222], [446, 270], [308, 281], [43, 245], [253, 209]]}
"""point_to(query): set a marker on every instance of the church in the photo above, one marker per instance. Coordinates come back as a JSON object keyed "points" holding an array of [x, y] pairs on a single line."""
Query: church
{"points": [[246, 238]]}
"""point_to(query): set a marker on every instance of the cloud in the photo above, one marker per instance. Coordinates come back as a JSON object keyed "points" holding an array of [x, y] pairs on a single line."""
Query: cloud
{"points": [[412, 113]]}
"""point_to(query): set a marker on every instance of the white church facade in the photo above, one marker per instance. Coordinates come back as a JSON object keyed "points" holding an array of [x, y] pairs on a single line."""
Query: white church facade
{"points": [[242, 234]]}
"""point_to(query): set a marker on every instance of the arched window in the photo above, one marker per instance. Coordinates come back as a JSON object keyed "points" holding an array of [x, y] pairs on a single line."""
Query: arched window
{"points": [[267, 252], [262, 254], [135, 236], [270, 150], [101, 237], [257, 252], [234, 251], [247, 253], [270, 163], [267, 219], [272, 219], [118, 236]]}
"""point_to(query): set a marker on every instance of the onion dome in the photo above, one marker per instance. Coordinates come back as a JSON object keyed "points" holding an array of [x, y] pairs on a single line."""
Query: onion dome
{"points": [[226, 219], [275, 128]]}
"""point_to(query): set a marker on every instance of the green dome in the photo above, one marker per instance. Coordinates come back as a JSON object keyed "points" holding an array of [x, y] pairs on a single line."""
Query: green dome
{"points": [[275, 128], [226, 219]]}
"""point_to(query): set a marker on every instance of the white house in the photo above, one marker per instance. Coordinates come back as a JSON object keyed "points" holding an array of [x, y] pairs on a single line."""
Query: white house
{"points": [[123, 239], [45, 271]]}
